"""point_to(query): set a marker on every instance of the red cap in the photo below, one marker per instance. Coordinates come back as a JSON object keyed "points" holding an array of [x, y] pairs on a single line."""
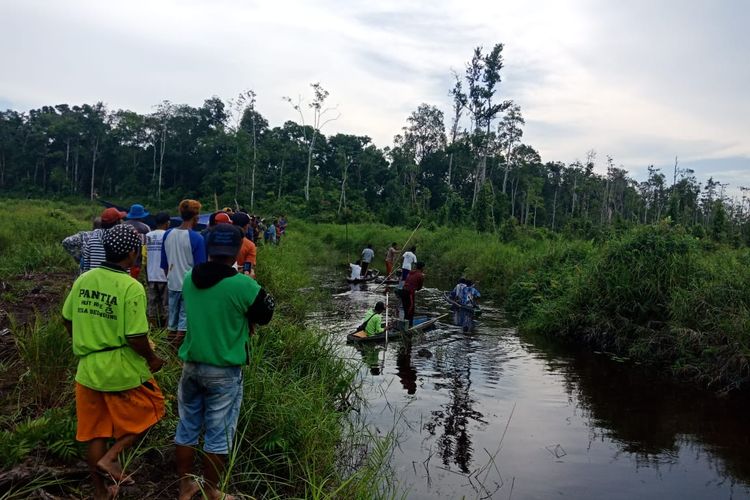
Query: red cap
{"points": [[222, 218], [111, 215]]}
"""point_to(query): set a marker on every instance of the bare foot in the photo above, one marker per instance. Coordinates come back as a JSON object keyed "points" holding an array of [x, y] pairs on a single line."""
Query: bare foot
{"points": [[114, 469], [188, 489], [109, 493]]}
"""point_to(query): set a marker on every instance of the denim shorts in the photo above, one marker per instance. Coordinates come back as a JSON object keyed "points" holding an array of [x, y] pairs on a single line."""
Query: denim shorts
{"points": [[177, 315], [209, 399]]}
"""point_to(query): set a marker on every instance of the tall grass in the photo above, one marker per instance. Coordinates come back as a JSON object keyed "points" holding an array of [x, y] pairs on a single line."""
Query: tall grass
{"points": [[655, 294], [293, 422], [31, 232]]}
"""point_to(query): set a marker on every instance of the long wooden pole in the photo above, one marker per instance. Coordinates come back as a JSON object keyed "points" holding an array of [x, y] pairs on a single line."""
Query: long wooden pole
{"points": [[402, 250]]}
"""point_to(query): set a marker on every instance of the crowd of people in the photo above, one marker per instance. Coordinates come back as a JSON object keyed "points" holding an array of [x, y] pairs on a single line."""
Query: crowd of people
{"points": [[203, 283]]}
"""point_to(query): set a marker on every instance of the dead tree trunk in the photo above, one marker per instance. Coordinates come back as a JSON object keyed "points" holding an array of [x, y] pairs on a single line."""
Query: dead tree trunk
{"points": [[94, 152]]}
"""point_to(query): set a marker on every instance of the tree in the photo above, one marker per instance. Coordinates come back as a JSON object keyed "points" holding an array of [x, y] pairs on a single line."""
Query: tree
{"points": [[509, 133], [482, 79], [423, 136], [321, 117]]}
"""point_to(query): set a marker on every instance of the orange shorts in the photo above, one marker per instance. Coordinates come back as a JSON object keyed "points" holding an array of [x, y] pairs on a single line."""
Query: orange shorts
{"points": [[116, 414]]}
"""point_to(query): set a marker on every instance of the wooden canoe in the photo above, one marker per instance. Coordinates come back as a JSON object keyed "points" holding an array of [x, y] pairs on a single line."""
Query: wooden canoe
{"points": [[394, 334], [371, 275], [453, 303]]}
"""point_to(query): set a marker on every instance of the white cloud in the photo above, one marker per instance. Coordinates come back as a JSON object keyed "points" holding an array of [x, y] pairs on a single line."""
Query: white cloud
{"points": [[641, 81]]}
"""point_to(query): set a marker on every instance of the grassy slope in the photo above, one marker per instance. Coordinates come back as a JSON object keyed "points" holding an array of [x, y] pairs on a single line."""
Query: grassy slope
{"points": [[292, 434]]}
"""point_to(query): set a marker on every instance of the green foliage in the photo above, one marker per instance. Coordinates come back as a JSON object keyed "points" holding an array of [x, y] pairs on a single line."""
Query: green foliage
{"points": [[31, 233], [720, 224], [52, 433], [483, 216], [653, 295], [45, 351], [292, 427]]}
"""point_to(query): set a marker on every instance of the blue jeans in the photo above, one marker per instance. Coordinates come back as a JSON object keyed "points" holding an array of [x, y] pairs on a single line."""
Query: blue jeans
{"points": [[209, 399], [177, 315]]}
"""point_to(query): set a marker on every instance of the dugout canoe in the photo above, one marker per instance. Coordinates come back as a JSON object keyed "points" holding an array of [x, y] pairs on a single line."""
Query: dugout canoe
{"points": [[453, 303], [394, 334], [372, 274]]}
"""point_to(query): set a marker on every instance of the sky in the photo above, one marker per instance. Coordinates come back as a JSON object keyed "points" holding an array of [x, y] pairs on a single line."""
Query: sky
{"points": [[640, 81]]}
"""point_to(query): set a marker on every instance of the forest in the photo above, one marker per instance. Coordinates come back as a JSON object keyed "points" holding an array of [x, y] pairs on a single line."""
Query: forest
{"points": [[465, 166]]}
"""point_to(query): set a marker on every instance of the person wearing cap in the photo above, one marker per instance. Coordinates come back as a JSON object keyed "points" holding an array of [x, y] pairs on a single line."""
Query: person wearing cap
{"points": [[116, 394], [216, 218], [246, 258], [135, 218], [158, 303], [182, 249], [222, 305], [92, 253]]}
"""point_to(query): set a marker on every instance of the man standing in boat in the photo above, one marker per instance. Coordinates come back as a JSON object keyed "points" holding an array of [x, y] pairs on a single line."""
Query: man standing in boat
{"points": [[410, 258], [390, 258], [413, 283], [367, 255]]}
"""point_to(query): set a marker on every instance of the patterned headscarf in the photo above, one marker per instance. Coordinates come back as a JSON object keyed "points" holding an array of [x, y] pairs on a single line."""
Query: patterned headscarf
{"points": [[121, 239]]}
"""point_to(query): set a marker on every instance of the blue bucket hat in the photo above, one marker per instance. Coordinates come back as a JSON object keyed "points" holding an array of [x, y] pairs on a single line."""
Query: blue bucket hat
{"points": [[137, 212]]}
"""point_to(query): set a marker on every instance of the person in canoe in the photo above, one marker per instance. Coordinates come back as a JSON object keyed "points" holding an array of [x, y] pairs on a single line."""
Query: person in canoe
{"points": [[457, 291], [356, 270], [373, 323], [414, 282], [470, 295], [409, 258], [367, 254], [390, 258]]}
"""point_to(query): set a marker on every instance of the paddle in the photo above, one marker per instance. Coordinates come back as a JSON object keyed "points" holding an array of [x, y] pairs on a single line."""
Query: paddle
{"points": [[402, 248]]}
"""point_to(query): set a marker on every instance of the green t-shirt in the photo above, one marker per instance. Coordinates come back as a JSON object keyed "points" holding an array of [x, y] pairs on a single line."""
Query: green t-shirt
{"points": [[217, 328], [106, 306], [375, 325]]}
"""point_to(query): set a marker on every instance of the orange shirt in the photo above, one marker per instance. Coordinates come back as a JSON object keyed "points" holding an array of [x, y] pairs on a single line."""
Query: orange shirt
{"points": [[247, 253]]}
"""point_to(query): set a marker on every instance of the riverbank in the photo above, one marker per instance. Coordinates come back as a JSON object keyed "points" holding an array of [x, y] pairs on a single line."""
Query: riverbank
{"points": [[295, 437], [653, 294]]}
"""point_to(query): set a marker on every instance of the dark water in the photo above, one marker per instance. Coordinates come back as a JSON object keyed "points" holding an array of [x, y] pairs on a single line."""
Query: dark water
{"points": [[486, 413]]}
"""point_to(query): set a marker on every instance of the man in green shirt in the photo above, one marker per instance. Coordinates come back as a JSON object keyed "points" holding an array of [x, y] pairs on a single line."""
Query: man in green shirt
{"points": [[221, 305], [116, 395], [373, 324]]}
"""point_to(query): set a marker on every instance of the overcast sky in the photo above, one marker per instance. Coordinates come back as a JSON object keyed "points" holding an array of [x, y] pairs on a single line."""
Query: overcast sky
{"points": [[641, 81]]}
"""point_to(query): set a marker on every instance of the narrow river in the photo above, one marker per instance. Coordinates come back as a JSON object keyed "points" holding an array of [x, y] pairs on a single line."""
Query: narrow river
{"points": [[491, 414]]}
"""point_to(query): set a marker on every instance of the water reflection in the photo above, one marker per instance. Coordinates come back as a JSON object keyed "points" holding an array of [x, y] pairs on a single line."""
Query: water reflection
{"points": [[584, 426]]}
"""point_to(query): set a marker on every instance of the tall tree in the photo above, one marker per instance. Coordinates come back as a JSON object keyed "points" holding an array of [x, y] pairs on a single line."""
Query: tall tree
{"points": [[321, 117]]}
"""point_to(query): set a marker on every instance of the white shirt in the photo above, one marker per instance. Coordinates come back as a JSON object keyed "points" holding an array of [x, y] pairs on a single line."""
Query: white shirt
{"points": [[356, 271], [367, 255], [409, 259], [154, 241]]}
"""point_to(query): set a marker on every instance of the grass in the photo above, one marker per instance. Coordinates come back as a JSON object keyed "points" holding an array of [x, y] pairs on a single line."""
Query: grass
{"points": [[651, 294], [294, 422]]}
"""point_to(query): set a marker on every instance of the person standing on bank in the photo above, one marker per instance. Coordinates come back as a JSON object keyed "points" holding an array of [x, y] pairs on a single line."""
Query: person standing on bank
{"points": [[183, 248], [413, 283], [221, 306], [116, 394], [135, 218], [158, 296], [367, 255]]}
